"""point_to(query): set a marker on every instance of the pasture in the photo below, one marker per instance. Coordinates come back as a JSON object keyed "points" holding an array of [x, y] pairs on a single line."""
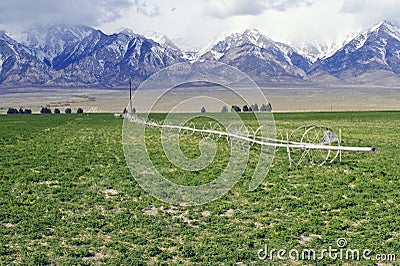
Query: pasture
{"points": [[67, 197]]}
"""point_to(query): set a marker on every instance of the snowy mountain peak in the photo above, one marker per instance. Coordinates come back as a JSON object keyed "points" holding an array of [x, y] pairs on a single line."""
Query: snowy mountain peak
{"points": [[126, 31], [59, 30], [312, 50], [157, 37], [54, 38], [4, 36], [385, 23], [224, 42], [375, 50], [161, 39], [252, 31], [249, 36], [253, 35], [386, 27], [381, 31], [354, 41], [253, 52]]}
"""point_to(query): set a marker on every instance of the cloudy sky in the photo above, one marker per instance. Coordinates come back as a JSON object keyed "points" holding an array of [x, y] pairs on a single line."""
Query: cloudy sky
{"points": [[194, 23]]}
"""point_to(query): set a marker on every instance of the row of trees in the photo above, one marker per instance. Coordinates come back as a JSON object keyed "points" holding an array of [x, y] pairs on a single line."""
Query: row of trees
{"points": [[20, 111], [252, 108], [46, 110], [43, 110]]}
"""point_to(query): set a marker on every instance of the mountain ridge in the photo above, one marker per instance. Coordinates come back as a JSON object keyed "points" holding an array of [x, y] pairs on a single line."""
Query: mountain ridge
{"points": [[76, 55], [374, 50]]}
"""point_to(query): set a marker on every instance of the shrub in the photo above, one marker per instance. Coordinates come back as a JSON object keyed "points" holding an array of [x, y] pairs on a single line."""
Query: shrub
{"points": [[255, 107], [266, 108], [236, 108], [11, 111], [57, 111], [45, 110], [20, 111]]}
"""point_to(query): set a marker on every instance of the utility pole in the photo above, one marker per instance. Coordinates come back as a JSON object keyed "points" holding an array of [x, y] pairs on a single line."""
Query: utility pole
{"points": [[130, 95]]}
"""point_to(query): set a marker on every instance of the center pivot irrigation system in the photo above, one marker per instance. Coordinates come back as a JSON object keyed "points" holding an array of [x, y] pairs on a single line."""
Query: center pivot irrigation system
{"points": [[309, 143]]}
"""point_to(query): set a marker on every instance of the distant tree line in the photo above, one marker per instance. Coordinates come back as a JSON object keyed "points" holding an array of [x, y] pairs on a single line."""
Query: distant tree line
{"points": [[20, 111], [43, 110], [46, 110], [252, 108], [245, 108]]}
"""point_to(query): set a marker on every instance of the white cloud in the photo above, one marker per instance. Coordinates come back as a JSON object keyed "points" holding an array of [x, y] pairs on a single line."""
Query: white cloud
{"points": [[370, 6], [89, 12], [146, 8], [227, 8], [371, 11], [193, 23]]}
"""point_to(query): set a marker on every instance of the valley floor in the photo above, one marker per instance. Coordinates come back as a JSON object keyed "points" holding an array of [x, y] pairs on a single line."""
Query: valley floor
{"points": [[282, 99]]}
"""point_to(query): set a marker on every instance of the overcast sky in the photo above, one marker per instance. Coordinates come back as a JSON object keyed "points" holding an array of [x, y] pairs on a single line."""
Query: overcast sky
{"points": [[194, 23]]}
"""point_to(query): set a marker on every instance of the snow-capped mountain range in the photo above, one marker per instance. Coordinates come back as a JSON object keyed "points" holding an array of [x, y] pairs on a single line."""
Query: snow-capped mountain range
{"points": [[258, 56], [373, 55], [63, 55]]}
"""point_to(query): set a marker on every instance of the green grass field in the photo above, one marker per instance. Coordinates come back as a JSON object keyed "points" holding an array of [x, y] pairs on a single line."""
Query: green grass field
{"points": [[68, 198]]}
